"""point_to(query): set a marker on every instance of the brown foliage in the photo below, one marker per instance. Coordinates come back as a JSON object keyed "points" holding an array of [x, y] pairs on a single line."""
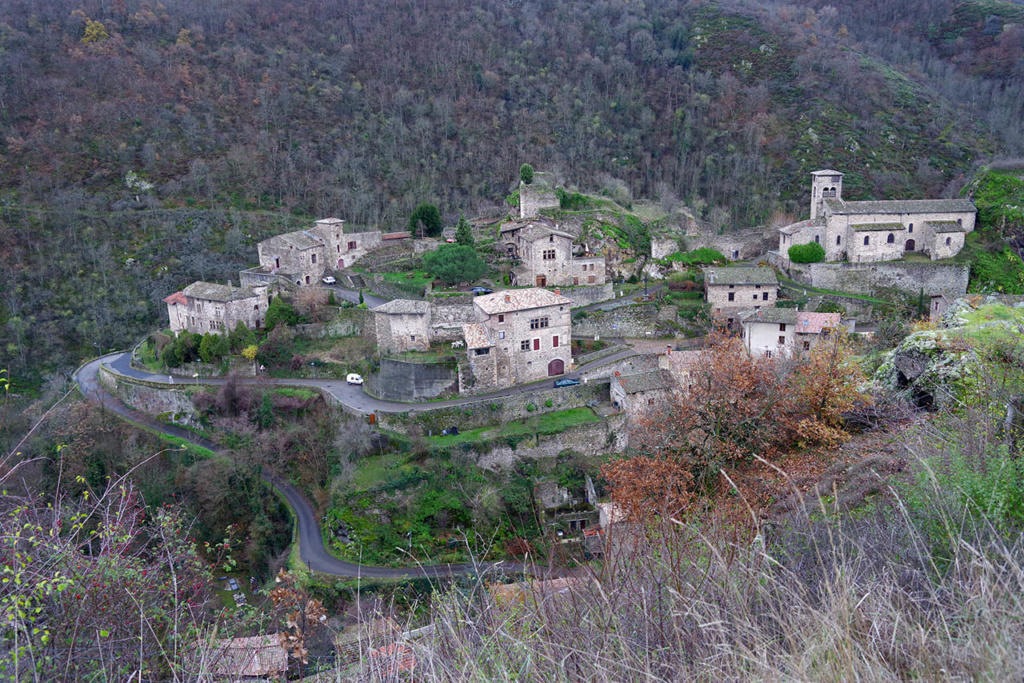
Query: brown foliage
{"points": [[643, 485]]}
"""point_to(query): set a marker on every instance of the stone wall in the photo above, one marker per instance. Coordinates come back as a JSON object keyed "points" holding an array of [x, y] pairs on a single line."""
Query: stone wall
{"points": [[170, 405], [634, 365], [662, 247], [629, 322], [493, 411], [866, 279], [349, 322], [538, 195], [447, 319], [743, 245], [591, 439], [388, 290], [402, 381], [584, 296], [743, 298]]}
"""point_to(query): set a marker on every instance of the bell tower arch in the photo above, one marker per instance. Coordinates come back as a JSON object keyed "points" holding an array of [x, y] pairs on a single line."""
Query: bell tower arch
{"points": [[824, 185]]}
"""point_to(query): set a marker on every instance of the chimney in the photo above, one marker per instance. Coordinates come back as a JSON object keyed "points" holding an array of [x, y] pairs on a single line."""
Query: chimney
{"points": [[508, 299], [668, 350], [617, 373], [558, 292]]}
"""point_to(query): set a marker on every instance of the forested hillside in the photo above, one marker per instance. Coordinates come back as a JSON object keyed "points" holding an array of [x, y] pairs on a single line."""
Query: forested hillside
{"points": [[363, 110]]}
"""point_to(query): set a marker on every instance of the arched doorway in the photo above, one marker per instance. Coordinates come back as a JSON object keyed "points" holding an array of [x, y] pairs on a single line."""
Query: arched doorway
{"points": [[341, 263], [556, 367], [909, 246]]}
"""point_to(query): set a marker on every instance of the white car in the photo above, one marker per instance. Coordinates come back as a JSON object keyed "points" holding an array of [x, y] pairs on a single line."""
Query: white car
{"points": [[329, 280], [353, 378]]}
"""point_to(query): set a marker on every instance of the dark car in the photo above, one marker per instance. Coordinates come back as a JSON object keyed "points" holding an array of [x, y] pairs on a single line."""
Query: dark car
{"points": [[566, 382], [481, 290]]}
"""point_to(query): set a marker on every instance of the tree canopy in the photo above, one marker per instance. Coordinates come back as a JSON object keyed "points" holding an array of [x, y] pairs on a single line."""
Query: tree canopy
{"points": [[427, 217], [526, 174], [454, 263], [464, 233], [812, 252]]}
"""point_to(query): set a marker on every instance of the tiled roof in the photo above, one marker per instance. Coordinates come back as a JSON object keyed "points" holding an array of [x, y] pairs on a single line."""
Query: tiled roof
{"points": [[300, 239], [476, 336], [877, 227], [838, 206], [541, 221], [248, 657], [802, 225], [214, 292], [177, 298], [814, 323], [770, 315], [393, 659], [510, 300], [535, 230], [648, 381], [404, 307], [946, 226], [741, 276], [395, 236], [826, 172], [330, 222]]}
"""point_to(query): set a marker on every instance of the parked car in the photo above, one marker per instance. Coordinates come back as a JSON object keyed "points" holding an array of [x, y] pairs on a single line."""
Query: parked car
{"points": [[353, 378], [329, 280], [481, 290], [566, 382]]}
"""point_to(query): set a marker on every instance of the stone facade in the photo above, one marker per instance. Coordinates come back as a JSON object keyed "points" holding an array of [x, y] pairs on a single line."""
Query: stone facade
{"points": [[208, 307], [785, 332], [874, 231], [642, 395], [632, 322], [526, 331], [546, 256], [303, 256], [402, 325], [398, 380], [540, 194], [731, 290]]}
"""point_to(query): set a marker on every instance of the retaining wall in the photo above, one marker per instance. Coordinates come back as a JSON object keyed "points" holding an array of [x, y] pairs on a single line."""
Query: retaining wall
{"points": [[172, 405], [628, 321], [949, 279], [591, 439], [403, 381], [584, 296]]}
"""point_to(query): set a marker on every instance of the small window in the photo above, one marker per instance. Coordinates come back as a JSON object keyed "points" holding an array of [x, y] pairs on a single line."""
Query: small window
{"points": [[732, 296], [554, 342], [414, 337], [807, 346], [538, 323], [839, 240], [481, 352], [949, 240], [891, 239], [313, 256], [782, 327], [757, 286], [536, 344], [755, 296], [650, 401], [501, 318], [591, 279], [501, 335], [910, 228], [351, 246], [524, 345], [959, 221], [549, 254], [867, 240], [782, 341], [551, 238], [817, 239], [256, 307], [764, 296]]}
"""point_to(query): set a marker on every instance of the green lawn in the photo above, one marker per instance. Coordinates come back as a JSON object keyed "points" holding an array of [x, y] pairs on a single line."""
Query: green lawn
{"points": [[417, 277], [548, 423], [373, 470]]}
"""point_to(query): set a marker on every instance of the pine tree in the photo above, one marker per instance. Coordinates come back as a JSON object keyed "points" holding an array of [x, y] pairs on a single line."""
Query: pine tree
{"points": [[464, 233]]}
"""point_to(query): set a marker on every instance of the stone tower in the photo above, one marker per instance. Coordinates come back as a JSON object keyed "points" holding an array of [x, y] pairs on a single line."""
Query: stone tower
{"points": [[824, 185]]}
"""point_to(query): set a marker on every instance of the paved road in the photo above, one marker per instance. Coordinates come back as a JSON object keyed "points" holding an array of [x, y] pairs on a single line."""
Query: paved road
{"points": [[352, 396], [311, 544], [371, 300]]}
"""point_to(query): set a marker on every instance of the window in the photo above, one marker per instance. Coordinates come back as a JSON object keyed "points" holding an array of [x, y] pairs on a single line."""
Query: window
{"points": [[767, 354], [807, 346], [757, 286], [313, 256], [256, 307], [782, 341], [277, 262], [910, 228], [554, 342], [590, 279], [481, 352], [948, 241], [959, 221], [351, 246], [538, 323], [732, 296], [501, 335], [782, 327], [867, 240], [890, 239], [501, 318], [549, 254], [536, 344], [839, 240], [339, 248], [414, 337], [764, 296], [817, 239], [575, 280], [524, 345], [650, 401], [551, 238], [755, 296]]}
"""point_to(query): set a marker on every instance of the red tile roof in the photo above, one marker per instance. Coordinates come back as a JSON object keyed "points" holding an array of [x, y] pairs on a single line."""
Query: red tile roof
{"points": [[395, 236], [177, 298], [509, 300], [814, 323]]}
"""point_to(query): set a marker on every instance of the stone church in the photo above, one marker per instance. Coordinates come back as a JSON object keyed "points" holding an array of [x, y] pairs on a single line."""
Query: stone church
{"points": [[868, 231]]}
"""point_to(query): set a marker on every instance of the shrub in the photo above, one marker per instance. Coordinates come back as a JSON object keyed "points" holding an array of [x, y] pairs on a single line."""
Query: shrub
{"points": [[453, 263], [429, 218], [570, 201], [548, 403], [530, 407], [812, 252], [280, 311], [703, 256], [1003, 272]]}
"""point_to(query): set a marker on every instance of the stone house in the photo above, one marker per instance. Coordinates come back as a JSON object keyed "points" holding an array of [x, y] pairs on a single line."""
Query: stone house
{"points": [[303, 256], [402, 325], [522, 336], [209, 307], [869, 231], [785, 332], [546, 256], [540, 194], [643, 394], [680, 365], [731, 290]]}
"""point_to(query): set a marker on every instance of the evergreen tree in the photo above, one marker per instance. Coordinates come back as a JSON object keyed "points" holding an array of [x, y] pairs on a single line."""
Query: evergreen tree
{"points": [[453, 263], [280, 312], [464, 233], [526, 174], [241, 337], [427, 218]]}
